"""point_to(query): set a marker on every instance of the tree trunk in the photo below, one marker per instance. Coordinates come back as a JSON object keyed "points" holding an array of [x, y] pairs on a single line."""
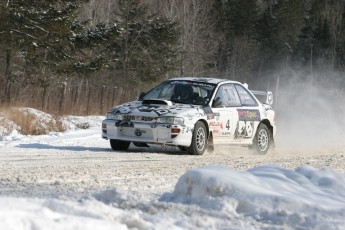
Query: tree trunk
{"points": [[44, 94], [62, 99], [88, 101], [102, 100], [8, 77]]}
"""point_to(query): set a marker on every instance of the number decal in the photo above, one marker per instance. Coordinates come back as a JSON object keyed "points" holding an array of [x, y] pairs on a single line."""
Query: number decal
{"points": [[228, 125]]}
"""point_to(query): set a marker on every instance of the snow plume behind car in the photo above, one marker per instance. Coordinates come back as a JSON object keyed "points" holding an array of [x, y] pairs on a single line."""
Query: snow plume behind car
{"points": [[310, 114]]}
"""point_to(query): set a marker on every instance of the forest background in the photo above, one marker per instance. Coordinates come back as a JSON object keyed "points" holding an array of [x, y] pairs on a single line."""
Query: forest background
{"points": [[82, 57]]}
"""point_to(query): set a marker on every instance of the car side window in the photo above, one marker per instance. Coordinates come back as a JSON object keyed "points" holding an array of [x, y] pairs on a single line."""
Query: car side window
{"points": [[245, 97], [231, 95], [226, 96]]}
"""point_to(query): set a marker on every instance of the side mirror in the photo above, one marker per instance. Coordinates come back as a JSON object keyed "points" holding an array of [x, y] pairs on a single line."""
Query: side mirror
{"points": [[141, 96]]}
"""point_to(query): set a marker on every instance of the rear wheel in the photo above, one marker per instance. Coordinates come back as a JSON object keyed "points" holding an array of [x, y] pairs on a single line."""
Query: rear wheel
{"points": [[199, 139], [119, 145], [262, 139]]}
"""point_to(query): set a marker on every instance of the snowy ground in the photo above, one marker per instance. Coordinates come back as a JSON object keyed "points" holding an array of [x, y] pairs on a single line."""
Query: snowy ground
{"points": [[73, 180]]}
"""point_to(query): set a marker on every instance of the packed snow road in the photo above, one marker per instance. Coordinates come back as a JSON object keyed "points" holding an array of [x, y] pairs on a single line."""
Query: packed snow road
{"points": [[80, 163]]}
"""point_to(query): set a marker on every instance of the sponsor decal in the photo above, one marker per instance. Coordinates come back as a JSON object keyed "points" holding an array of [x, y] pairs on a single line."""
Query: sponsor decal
{"points": [[248, 115], [216, 124], [193, 83], [187, 130], [244, 129], [216, 131], [226, 133]]}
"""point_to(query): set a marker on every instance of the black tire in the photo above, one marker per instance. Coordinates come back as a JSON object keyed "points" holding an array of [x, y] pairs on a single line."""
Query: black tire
{"points": [[119, 145], [199, 139], [262, 140]]}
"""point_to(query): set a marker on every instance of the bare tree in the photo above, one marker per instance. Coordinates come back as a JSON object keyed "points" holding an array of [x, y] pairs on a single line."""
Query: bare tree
{"points": [[199, 40]]}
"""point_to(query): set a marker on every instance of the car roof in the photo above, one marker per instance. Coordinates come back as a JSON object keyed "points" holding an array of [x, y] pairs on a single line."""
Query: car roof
{"points": [[205, 79]]}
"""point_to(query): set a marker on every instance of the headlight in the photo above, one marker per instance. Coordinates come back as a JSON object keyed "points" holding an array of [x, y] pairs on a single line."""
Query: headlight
{"points": [[171, 120], [114, 116]]}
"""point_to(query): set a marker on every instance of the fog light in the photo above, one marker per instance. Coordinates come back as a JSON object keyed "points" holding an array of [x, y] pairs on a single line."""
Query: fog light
{"points": [[175, 132]]}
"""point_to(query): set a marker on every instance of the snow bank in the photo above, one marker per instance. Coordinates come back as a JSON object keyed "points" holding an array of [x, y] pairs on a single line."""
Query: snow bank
{"points": [[45, 123], [23, 214], [7, 127], [267, 197], [80, 122], [303, 198], [38, 122]]}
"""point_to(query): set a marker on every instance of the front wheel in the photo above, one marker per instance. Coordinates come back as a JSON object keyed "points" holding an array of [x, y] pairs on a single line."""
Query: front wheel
{"points": [[119, 145], [199, 139], [262, 139]]}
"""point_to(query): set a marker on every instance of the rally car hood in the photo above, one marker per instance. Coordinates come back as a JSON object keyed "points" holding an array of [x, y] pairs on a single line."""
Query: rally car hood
{"points": [[157, 108]]}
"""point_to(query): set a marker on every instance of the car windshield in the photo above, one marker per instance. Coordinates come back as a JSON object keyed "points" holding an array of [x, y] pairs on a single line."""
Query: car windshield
{"points": [[185, 92]]}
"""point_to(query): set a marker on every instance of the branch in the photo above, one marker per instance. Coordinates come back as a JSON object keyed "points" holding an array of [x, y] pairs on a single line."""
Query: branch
{"points": [[35, 24], [8, 2], [38, 27], [41, 28], [19, 32]]}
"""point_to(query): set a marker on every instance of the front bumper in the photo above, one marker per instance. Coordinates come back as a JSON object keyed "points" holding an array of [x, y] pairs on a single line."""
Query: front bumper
{"points": [[141, 132]]}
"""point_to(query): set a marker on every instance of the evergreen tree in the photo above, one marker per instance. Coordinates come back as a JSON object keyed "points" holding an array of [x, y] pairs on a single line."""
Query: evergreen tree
{"points": [[36, 36], [45, 41], [41, 30], [322, 35], [239, 49], [278, 30]]}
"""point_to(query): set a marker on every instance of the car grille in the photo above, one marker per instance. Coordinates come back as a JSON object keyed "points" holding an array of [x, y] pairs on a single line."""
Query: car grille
{"points": [[137, 118]]}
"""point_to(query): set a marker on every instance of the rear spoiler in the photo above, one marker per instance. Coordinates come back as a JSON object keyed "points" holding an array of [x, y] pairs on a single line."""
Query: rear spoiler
{"points": [[265, 97]]}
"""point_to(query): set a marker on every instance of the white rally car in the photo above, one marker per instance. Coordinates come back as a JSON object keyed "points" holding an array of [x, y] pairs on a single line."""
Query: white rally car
{"points": [[194, 114]]}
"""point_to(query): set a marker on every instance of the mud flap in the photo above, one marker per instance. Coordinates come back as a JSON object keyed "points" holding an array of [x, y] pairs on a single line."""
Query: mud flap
{"points": [[210, 145]]}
